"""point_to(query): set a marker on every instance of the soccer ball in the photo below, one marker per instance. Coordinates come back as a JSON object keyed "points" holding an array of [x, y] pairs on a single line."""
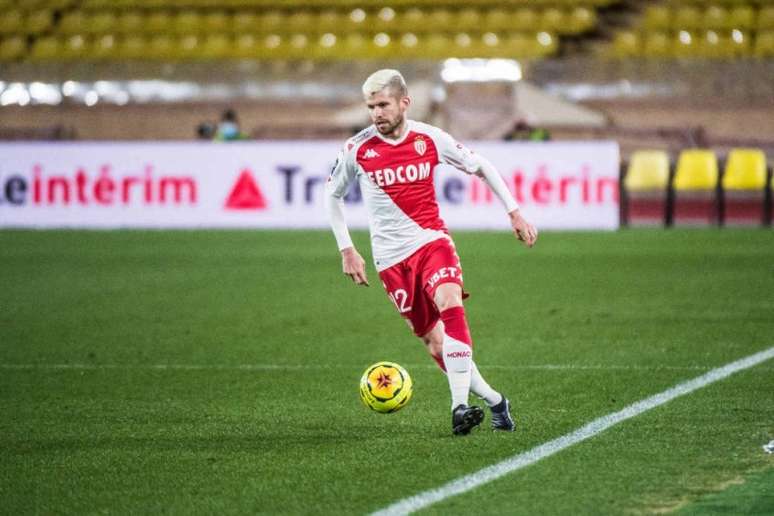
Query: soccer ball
{"points": [[385, 387]]}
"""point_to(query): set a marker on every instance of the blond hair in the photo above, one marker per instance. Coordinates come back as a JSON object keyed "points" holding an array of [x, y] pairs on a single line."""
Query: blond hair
{"points": [[385, 79]]}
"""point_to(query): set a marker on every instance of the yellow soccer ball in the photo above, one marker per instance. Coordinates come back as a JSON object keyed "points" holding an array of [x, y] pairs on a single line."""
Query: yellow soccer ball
{"points": [[385, 387]]}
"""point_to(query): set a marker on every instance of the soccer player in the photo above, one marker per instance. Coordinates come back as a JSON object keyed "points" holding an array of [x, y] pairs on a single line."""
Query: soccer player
{"points": [[393, 161]]}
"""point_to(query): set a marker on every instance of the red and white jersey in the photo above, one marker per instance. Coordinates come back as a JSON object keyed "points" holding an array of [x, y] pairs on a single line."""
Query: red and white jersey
{"points": [[396, 180]]}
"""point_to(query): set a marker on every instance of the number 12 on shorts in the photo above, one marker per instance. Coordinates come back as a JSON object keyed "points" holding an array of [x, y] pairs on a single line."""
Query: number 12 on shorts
{"points": [[400, 298]]}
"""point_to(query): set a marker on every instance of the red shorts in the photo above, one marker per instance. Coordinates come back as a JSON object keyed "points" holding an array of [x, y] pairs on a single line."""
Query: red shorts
{"points": [[411, 283]]}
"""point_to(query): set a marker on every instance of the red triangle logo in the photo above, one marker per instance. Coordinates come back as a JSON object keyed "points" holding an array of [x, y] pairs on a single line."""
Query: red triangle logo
{"points": [[246, 195]]}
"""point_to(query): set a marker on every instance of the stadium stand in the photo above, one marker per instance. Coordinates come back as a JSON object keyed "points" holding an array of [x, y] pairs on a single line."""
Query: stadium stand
{"points": [[697, 29], [330, 30]]}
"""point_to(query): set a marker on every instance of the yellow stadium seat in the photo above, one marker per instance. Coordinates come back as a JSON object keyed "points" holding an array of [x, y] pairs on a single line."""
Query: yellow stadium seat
{"points": [[330, 20], [491, 45], [436, 46], [553, 19], [216, 46], [355, 44], [38, 21], [441, 19], [687, 17], [647, 170], [244, 22], [12, 48], [697, 169], [645, 188], [73, 23], [75, 47], [764, 44], [715, 45], [246, 46], [515, 44], [715, 17], [696, 179], [101, 22], [657, 17], [497, 18], [686, 44], [766, 18], [217, 21], [656, 45], [469, 19], [271, 22], [524, 19], [358, 20], [745, 170], [188, 47], [133, 46], [744, 182], [105, 47], [626, 44], [162, 47], [301, 21], [158, 22], [46, 48], [739, 43], [386, 19], [415, 19], [274, 46], [581, 19], [741, 17], [325, 47], [187, 22], [130, 22], [12, 22], [543, 44], [381, 46], [462, 46]]}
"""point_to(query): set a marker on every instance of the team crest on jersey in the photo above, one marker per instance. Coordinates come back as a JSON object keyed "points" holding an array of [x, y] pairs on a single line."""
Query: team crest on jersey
{"points": [[420, 145]]}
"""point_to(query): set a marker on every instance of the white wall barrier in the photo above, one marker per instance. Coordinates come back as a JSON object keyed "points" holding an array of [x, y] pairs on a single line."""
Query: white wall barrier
{"points": [[279, 185]]}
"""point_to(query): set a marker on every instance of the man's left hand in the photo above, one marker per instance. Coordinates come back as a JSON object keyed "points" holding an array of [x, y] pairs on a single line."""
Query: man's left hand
{"points": [[523, 230]]}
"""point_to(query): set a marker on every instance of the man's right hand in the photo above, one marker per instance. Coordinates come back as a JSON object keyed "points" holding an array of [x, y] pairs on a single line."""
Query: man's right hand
{"points": [[353, 266]]}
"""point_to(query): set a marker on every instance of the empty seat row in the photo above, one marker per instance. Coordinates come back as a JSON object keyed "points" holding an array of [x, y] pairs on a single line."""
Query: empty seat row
{"points": [[744, 16], [186, 21], [710, 44], [294, 46], [695, 192], [125, 4]]}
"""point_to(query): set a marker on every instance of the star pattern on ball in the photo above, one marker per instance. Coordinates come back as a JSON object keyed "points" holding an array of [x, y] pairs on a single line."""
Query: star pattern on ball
{"points": [[384, 380]]}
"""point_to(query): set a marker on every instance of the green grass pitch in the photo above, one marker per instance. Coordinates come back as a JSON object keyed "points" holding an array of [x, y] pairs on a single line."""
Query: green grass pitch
{"points": [[204, 372]]}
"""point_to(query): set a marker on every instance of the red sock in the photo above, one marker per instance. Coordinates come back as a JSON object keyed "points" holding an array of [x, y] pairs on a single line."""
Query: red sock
{"points": [[455, 324]]}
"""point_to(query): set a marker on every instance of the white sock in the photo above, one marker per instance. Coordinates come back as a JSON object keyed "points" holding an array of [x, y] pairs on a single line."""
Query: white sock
{"points": [[480, 388], [457, 357]]}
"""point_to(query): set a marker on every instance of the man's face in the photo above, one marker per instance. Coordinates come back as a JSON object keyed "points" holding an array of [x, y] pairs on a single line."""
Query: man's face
{"points": [[387, 112]]}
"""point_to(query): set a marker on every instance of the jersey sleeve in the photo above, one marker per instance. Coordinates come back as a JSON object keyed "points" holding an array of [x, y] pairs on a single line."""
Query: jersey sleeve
{"points": [[342, 174], [460, 157], [455, 154]]}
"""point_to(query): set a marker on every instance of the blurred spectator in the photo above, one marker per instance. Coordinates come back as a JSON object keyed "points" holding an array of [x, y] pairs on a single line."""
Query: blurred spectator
{"points": [[205, 131], [525, 132], [228, 128]]}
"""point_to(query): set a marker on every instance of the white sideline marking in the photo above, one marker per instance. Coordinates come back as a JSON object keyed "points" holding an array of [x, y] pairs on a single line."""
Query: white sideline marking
{"points": [[516, 462]]}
